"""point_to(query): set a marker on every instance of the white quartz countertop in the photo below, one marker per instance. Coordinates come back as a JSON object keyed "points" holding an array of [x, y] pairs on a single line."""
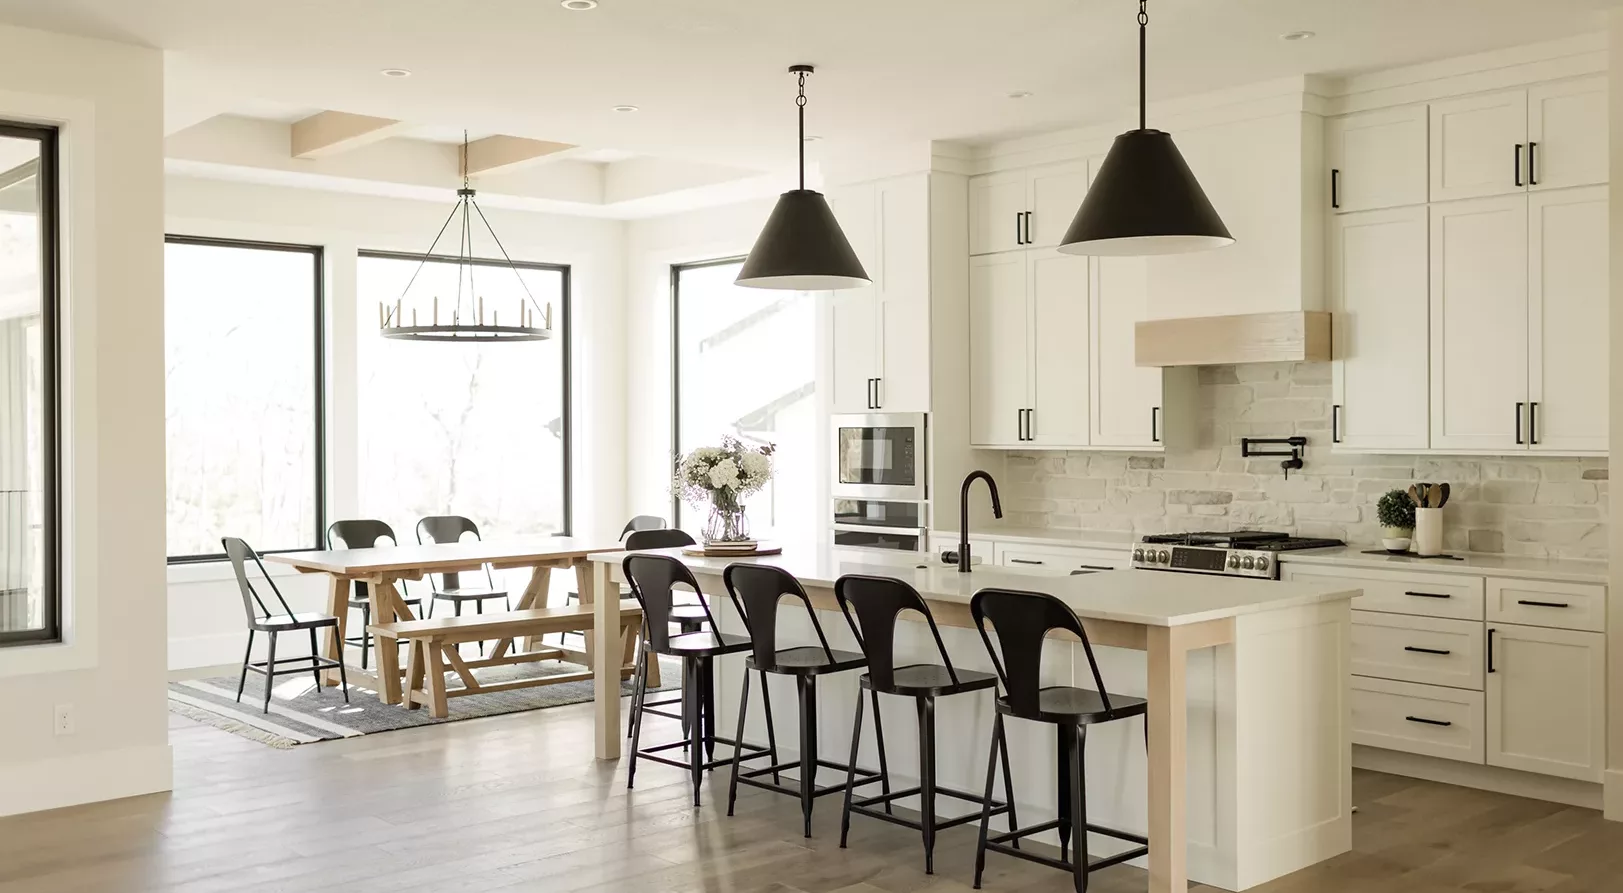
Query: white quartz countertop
{"points": [[1563, 569], [1128, 596]]}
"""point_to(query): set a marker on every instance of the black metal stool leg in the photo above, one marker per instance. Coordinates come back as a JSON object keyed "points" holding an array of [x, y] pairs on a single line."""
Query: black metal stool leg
{"points": [[879, 737], [343, 674], [636, 690], [1008, 779], [1064, 791], [270, 671], [315, 653], [640, 695], [479, 608], [690, 680], [738, 741], [993, 752], [707, 702], [1079, 807], [851, 773], [771, 733], [808, 746], [246, 656], [927, 779], [366, 636]]}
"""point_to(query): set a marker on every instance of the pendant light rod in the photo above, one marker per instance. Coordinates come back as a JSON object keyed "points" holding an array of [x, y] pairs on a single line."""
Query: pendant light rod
{"points": [[800, 104], [1143, 30]]}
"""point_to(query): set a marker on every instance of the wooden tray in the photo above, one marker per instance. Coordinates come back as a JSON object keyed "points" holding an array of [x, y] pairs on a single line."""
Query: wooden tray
{"points": [[760, 549]]}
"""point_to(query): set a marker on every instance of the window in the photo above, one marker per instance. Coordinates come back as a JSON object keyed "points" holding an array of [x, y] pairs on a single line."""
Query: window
{"points": [[29, 597], [243, 387], [746, 365], [480, 429]]}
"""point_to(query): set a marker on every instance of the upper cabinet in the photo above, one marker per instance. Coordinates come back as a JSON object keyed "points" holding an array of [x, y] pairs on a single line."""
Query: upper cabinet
{"points": [[880, 333], [1032, 208], [1377, 159], [1548, 137], [1567, 298]]}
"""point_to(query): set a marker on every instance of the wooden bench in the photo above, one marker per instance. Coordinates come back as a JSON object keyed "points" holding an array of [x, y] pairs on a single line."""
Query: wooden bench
{"points": [[433, 650]]}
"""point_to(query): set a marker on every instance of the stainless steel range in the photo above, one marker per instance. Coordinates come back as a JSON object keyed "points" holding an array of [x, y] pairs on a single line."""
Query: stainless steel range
{"points": [[1237, 553]]}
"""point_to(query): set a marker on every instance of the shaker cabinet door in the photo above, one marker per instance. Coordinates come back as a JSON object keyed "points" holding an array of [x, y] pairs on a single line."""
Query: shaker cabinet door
{"points": [[1547, 701]]}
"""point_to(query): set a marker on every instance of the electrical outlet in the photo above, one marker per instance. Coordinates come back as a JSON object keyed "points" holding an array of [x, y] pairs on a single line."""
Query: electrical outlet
{"points": [[64, 719]]}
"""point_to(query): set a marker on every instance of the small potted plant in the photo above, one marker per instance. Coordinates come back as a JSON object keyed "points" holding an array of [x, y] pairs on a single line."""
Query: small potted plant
{"points": [[1395, 512]]}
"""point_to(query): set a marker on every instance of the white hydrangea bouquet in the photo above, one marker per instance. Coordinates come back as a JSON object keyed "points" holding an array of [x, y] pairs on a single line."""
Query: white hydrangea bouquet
{"points": [[722, 476]]}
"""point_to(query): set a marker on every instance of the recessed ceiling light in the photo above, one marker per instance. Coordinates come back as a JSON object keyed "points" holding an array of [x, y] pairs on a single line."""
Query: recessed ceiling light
{"points": [[625, 108], [395, 73], [1297, 35], [578, 5], [1020, 94]]}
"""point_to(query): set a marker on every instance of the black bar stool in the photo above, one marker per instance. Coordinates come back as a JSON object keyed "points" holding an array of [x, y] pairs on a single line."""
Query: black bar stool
{"points": [[653, 578], [689, 618], [756, 590], [877, 601], [1022, 621]]}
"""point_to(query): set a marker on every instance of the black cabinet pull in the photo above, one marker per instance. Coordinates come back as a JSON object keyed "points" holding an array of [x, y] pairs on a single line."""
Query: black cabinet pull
{"points": [[1429, 722], [1518, 421], [1428, 594], [1532, 422], [1532, 164], [1027, 216], [1020, 424], [1518, 164], [1417, 649], [871, 394], [1155, 424], [1031, 415], [877, 403], [1024, 561], [1335, 188], [1491, 631], [1093, 567], [1335, 423], [1019, 238], [1539, 604]]}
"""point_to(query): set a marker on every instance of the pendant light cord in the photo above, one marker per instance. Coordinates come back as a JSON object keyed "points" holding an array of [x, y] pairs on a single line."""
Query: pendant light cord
{"points": [[1143, 24], [800, 103]]}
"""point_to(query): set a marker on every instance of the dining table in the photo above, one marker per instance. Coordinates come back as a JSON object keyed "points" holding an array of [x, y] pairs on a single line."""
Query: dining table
{"points": [[385, 569]]}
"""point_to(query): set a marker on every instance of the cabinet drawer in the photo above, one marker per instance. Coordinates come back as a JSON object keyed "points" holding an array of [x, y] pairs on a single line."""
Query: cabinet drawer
{"points": [[1409, 648], [1579, 606], [1060, 559], [1428, 595], [1423, 719]]}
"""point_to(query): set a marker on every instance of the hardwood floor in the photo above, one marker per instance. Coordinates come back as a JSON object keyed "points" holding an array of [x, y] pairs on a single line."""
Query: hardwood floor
{"points": [[517, 803]]}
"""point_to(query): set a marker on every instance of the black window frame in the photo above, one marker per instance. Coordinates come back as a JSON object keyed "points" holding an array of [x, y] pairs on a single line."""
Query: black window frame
{"points": [[48, 184], [319, 255], [565, 320], [676, 368]]}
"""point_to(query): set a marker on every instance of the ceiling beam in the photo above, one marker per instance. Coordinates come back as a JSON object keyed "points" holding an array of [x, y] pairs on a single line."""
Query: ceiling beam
{"points": [[498, 154], [21, 173], [328, 133]]}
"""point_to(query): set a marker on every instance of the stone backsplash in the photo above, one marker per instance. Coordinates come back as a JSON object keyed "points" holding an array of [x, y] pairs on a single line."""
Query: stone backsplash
{"points": [[1517, 505]]}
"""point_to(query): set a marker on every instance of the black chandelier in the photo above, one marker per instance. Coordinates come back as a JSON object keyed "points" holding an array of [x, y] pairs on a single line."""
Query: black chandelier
{"points": [[802, 246], [1145, 199], [467, 316]]}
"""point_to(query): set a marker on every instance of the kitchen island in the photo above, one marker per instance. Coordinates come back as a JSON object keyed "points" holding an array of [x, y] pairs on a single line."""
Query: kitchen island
{"points": [[1248, 770]]}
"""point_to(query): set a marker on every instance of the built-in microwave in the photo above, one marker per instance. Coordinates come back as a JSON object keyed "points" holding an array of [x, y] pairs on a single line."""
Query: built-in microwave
{"points": [[894, 525], [879, 456]]}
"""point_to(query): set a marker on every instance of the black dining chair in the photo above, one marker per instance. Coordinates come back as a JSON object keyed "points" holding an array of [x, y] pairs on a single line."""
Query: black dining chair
{"points": [[877, 602], [262, 619], [756, 591], [654, 579], [1022, 622], [450, 588], [365, 533], [688, 617]]}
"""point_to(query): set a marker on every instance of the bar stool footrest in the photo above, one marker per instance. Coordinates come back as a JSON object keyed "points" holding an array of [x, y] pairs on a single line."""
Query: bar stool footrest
{"points": [[867, 808], [753, 751], [864, 776], [1001, 843]]}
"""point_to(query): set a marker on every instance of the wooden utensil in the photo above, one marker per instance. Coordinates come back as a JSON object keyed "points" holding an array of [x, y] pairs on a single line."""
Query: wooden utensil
{"points": [[1414, 495], [1442, 494]]}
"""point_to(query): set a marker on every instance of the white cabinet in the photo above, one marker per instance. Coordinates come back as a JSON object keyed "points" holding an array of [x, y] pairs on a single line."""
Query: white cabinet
{"points": [[1425, 719], [880, 333], [1028, 349], [1030, 208], [1479, 324], [1126, 398], [1549, 137], [1378, 295], [1061, 559], [1428, 650], [1377, 159], [1547, 603], [1546, 701], [997, 349], [1567, 299]]}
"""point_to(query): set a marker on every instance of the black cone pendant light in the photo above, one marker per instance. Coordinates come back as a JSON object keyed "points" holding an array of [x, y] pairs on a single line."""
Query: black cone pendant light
{"points": [[802, 247], [1145, 200]]}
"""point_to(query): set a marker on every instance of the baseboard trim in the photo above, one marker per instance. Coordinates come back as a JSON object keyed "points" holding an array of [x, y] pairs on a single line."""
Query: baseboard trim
{"points": [[1613, 795], [85, 778], [1488, 778]]}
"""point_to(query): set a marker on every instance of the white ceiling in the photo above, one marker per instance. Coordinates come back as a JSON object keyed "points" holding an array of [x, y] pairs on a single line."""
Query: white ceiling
{"points": [[709, 76]]}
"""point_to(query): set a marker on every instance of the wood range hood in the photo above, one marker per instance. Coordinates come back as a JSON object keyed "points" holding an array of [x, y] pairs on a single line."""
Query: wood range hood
{"points": [[1288, 336]]}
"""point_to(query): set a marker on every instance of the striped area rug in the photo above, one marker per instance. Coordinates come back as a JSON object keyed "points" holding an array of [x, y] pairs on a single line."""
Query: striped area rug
{"points": [[300, 713]]}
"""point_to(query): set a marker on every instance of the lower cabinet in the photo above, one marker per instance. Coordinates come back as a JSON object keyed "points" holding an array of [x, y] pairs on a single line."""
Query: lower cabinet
{"points": [[1432, 720], [1061, 559], [1546, 700]]}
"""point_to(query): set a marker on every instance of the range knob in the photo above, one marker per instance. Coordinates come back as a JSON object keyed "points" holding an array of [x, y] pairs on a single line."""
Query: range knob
{"points": [[1248, 562], [1138, 554], [1234, 562], [1262, 562], [1163, 556]]}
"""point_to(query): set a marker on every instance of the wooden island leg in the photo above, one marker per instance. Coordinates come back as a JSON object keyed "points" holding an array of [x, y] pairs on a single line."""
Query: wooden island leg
{"points": [[1168, 718], [337, 606], [605, 654]]}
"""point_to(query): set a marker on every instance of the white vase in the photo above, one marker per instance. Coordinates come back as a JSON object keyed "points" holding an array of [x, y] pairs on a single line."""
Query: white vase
{"points": [[1428, 531]]}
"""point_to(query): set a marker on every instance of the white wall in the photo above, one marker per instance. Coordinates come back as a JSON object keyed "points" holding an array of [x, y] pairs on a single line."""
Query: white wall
{"points": [[652, 247], [108, 98], [206, 624]]}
